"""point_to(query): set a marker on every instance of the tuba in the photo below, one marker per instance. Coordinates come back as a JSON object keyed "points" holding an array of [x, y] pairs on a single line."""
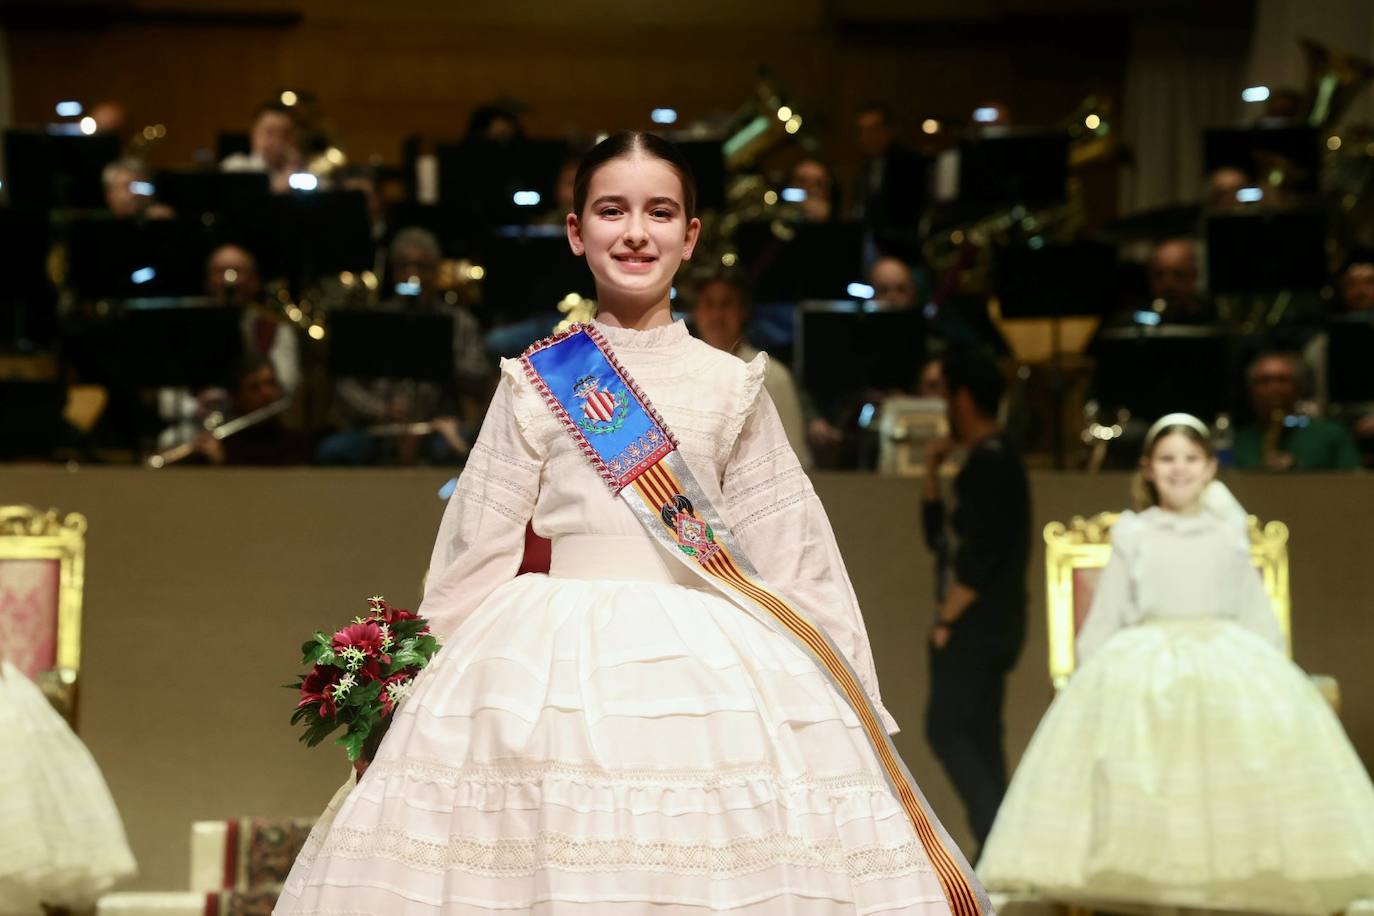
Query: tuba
{"points": [[1334, 79]]}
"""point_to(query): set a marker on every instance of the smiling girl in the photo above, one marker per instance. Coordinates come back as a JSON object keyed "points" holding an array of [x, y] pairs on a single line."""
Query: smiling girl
{"points": [[627, 734], [1188, 763]]}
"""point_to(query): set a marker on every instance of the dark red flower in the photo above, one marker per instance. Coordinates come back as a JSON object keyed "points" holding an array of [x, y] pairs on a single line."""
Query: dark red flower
{"points": [[318, 688], [385, 613], [364, 636], [371, 670]]}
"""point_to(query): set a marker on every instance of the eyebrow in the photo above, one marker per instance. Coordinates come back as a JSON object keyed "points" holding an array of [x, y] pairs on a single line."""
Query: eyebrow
{"points": [[622, 201]]}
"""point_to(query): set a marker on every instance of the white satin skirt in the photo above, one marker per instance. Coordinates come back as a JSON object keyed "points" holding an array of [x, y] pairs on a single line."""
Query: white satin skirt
{"points": [[617, 737]]}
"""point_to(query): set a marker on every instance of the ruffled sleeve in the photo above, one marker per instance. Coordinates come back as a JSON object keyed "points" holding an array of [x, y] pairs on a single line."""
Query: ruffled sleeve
{"points": [[482, 535], [1113, 604], [785, 533], [743, 404]]}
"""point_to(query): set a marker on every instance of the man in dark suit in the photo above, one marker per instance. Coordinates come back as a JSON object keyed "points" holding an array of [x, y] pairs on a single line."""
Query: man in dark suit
{"points": [[891, 191], [982, 547]]}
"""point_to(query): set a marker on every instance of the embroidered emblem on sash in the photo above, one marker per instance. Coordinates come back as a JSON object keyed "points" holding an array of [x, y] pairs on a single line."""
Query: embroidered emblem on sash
{"points": [[694, 537], [602, 411]]}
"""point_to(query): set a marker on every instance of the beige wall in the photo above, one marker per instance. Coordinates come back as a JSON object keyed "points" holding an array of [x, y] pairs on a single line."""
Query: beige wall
{"points": [[201, 584]]}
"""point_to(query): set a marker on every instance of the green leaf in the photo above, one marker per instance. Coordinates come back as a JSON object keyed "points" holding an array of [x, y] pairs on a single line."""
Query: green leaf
{"points": [[407, 629], [364, 694], [352, 743], [404, 659], [319, 731]]}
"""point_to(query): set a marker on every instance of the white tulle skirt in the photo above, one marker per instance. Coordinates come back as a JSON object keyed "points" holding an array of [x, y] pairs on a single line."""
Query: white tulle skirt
{"points": [[61, 839], [592, 746], [1190, 765]]}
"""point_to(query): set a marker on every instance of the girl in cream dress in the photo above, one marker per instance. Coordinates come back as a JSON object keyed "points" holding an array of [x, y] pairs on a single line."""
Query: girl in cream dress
{"points": [[61, 840], [1188, 763], [617, 736]]}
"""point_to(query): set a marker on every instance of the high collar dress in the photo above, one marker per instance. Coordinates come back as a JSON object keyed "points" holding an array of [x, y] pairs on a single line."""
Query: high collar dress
{"points": [[616, 736]]}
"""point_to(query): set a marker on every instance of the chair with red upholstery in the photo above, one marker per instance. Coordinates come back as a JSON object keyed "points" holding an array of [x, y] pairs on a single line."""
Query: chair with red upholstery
{"points": [[42, 573]]}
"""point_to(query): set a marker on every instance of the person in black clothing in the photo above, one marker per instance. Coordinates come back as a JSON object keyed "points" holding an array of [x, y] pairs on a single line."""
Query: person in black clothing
{"points": [[982, 546], [891, 191]]}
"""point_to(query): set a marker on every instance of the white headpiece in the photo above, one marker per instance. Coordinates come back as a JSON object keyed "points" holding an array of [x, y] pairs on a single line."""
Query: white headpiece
{"points": [[1176, 419], [1216, 498]]}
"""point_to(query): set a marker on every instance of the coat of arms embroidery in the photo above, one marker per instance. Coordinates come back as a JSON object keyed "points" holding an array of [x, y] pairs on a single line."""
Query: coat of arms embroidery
{"points": [[602, 410]]}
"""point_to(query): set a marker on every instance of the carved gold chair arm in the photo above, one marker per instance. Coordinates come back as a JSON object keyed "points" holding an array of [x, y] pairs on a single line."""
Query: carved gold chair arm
{"points": [[60, 687]]}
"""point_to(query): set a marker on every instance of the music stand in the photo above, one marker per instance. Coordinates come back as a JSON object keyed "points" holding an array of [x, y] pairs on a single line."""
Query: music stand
{"points": [[391, 344], [1028, 167], [800, 261], [1055, 281], [48, 170], [1265, 251], [529, 273], [707, 162], [1349, 362], [117, 258], [480, 177], [1258, 150], [193, 192], [317, 233], [852, 346], [31, 416], [456, 237], [25, 238], [1152, 371], [180, 346], [230, 142]]}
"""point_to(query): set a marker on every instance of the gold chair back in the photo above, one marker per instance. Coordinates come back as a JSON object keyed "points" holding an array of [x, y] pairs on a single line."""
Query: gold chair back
{"points": [[1076, 553], [42, 574]]}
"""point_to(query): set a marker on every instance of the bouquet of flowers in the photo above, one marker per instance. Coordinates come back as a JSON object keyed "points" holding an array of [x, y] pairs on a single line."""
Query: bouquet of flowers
{"points": [[360, 673]]}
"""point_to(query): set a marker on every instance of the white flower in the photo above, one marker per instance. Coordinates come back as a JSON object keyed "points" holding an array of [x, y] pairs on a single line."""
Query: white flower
{"points": [[399, 690], [347, 682]]}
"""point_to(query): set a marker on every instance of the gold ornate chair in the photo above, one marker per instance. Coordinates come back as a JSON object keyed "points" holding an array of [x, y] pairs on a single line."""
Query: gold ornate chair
{"points": [[1076, 553], [42, 572]]}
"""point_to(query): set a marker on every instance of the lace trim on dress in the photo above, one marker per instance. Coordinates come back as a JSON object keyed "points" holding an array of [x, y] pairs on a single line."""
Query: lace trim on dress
{"points": [[484, 473], [525, 772], [667, 335], [762, 464], [793, 476], [483, 450], [771, 509], [522, 856], [512, 513]]}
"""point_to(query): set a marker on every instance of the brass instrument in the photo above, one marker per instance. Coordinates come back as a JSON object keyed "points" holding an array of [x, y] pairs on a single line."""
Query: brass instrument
{"points": [[220, 430], [1272, 453], [1334, 79], [575, 310], [961, 254]]}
